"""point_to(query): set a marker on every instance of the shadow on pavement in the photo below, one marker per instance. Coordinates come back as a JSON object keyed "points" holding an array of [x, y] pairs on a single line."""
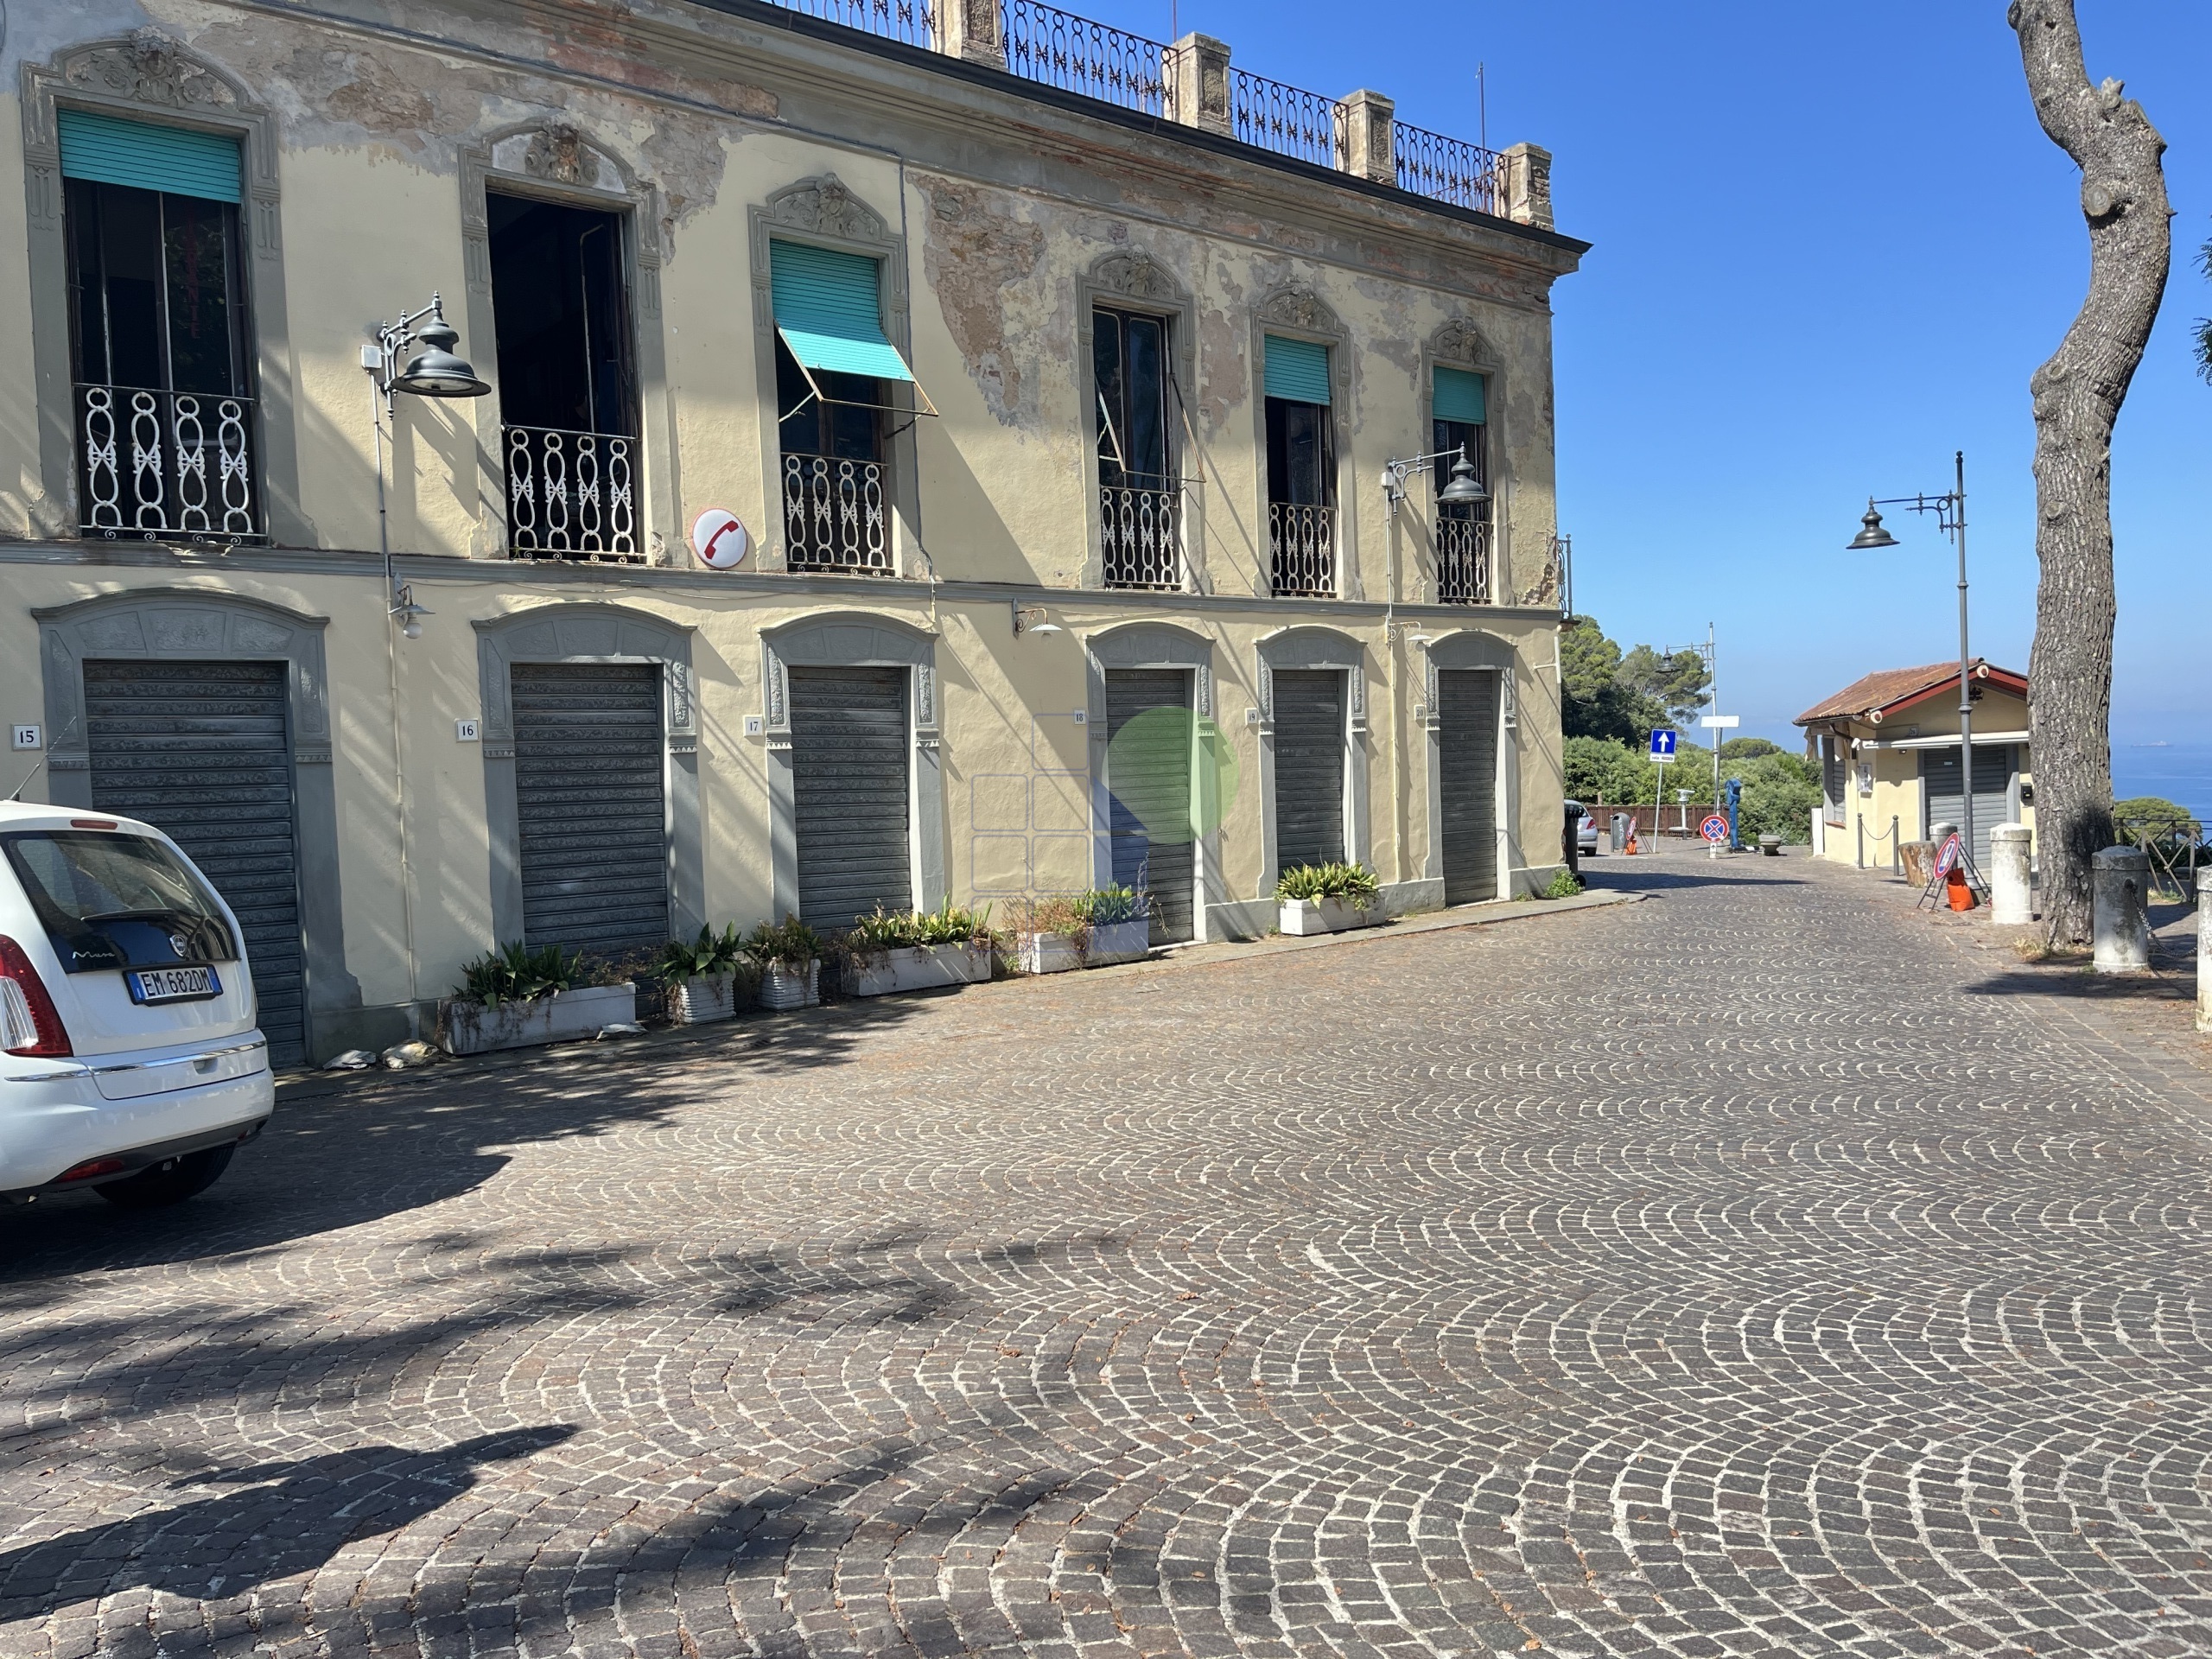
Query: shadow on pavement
{"points": [[1675, 871]]}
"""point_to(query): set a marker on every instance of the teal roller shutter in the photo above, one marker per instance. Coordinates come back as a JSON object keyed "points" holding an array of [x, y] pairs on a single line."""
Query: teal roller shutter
{"points": [[1460, 396], [108, 149], [1298, 370], [828, 313]]}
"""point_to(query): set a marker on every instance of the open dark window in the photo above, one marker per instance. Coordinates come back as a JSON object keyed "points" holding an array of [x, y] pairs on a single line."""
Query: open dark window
{"points": [[1301, 468], [1140, 499], [568, 385], [1463, 532], [162, 404]]}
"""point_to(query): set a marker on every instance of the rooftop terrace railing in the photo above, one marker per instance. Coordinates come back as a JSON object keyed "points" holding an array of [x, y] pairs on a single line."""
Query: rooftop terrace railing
{"points": [[1190, 83]]}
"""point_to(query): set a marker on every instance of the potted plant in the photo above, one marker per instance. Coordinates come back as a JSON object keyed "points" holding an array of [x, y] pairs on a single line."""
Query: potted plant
{"points": [[919, 950], [1328, 899], [1083, 929], [517, 997], [702, 976], [790, 955], [1120, 925]]}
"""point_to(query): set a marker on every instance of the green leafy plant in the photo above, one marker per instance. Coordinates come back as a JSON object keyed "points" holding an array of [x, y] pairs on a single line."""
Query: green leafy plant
{"points": [[789, 944], [1354, 883], [515, 973], [709, 954], [1565, 884], [1076, 913], [1107, 907], [871, 935]]}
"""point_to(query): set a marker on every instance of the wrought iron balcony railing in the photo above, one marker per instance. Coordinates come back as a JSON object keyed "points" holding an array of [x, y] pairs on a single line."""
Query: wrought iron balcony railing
{"points": [[1142, 533], [571, 495], [166, 465], [1302, 546], [912, 21], [1462, 560], [1448, 169], [1061, 49], [1287, 120], [834, 516]]}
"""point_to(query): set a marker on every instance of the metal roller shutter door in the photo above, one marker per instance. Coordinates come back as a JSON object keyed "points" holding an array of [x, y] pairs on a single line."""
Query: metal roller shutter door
{"points": [[202, 751], [1148, 784], [850, 754], [1992, 791], [1466, 710], [1309, 767], [589, 802]]}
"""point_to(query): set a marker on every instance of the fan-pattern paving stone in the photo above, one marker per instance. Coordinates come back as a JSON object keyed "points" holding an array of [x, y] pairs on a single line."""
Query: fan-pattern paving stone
{"points": [[1742, 1272]]}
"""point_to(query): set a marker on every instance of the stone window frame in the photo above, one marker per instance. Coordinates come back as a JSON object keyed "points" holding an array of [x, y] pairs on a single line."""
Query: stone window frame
{"points": [[1297, 311], [589, 630], [1132, 280], [1457, 343], [207, 624], [152, 77], [846, 639], [1314, 645], [553, 161], [821, 211], [1478, 649], [1151, 645]]}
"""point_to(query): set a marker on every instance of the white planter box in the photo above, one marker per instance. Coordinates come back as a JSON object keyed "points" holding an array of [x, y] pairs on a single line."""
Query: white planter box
{"points": [[781, 989], [1048, 953], [1301, 917], [920, 967], [472, 1028], [1120, 942], [702, 1001]]}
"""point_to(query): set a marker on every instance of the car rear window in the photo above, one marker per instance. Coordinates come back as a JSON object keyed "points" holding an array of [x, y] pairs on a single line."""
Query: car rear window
{"points": [[99, 895]]}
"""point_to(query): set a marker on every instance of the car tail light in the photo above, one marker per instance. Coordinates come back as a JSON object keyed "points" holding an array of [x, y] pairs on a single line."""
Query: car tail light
{"points": [[89, 1168], [30, 1024]]}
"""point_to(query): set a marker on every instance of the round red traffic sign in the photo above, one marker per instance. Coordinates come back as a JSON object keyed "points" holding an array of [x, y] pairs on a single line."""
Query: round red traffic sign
{"points": [[1715, 827]]}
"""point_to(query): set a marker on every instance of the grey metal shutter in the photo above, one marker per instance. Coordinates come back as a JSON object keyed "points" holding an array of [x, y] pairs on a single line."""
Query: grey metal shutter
{"points": [[849, 770], [201, 752], [1309, 766], [1992, 791], [1833, 781], [589, 802], [1466, 709], [1149, 783]]}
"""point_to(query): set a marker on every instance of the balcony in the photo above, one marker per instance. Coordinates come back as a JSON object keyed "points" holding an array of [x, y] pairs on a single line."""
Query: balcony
{"points": [[571, 495], [167, 466], [1462, 560], [833, 516], [1141, 531], [1302, 548]]}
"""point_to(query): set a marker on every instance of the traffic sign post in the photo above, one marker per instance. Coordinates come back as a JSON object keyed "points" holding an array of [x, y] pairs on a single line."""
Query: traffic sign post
{"points": [[1715, 830], [1664, 739]]}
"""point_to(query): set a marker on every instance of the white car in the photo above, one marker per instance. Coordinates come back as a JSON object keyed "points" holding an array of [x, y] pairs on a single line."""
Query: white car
{"points": [[130, 1060]]}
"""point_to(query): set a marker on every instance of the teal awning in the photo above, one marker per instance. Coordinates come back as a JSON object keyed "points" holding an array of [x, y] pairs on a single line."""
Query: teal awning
{"points": [[827, 311], [1297, 370], [107, 150], [1460, 396]]}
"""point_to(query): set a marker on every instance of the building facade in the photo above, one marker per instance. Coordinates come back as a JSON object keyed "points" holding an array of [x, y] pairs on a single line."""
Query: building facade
{"points": [[1046, 379], [1888, 749]]}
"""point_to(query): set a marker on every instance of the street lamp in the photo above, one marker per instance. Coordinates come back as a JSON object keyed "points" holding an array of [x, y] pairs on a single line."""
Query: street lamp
{"points": [[1464, 489], [434, 371], [1950, 511]]}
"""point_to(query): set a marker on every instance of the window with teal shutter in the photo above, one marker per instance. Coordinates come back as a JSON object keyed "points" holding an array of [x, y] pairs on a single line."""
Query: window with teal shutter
{"points": [[108, 149], [1460, 396], [829, 311], [1297, 370]]}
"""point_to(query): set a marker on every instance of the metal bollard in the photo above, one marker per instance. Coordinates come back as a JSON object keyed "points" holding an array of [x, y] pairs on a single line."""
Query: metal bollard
{"points": [[1860, 824], [2009, 903], [2203, 956], [1896, 849], [2119, 882]]}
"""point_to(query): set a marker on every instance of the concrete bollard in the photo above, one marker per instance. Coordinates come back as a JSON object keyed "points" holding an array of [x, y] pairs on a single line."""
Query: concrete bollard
{"points": [[2203, 956], [2119, 883], [2009, 903]]}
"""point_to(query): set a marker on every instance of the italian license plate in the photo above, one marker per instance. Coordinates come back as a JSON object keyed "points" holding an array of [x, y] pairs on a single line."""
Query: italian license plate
{"points": [[172, 984]]}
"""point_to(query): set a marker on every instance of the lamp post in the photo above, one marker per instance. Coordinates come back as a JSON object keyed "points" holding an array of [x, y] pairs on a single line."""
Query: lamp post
{"points": [[1950, 511], [434, 371]]}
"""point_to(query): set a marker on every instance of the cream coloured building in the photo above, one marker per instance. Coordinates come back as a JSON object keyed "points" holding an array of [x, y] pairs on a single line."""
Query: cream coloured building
{"points": [[1053, 375]]}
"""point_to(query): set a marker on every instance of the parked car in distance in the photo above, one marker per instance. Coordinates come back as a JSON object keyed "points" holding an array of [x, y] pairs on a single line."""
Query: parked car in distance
{"points": [[129, 1058], [1586, 830]]}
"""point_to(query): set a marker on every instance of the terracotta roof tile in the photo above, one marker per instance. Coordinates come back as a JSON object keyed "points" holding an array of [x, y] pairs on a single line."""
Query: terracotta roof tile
{"points": [[1886, 687]]}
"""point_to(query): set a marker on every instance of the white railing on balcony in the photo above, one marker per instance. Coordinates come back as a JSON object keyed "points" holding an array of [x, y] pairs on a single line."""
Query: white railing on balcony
{"points": [[1462, 560], [571, 495], [1141, 531], [1302, 543], [834, 516], [166, 465]]}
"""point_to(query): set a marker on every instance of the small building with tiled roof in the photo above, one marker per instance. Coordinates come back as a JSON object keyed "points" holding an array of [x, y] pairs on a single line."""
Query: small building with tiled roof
{"points": [[1888, 748]]}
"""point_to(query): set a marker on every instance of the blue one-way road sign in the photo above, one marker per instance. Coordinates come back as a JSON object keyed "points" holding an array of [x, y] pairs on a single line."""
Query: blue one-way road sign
{"points": [[1662, 745]]}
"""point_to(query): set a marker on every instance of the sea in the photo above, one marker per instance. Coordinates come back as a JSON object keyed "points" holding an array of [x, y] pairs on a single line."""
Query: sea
{"points": [[2180, 772]]}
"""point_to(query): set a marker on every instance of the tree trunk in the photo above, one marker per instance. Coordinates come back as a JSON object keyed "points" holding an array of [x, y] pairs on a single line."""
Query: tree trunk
{"points": [[2077, 397]]}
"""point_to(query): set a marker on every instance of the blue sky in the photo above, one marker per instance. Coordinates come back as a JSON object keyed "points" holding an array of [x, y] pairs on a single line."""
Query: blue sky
{"points": [[1831, 245]]}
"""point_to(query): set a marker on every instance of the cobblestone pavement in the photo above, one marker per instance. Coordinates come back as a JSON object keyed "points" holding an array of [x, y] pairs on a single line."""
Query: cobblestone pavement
{"points": [[1749, 1271]]}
